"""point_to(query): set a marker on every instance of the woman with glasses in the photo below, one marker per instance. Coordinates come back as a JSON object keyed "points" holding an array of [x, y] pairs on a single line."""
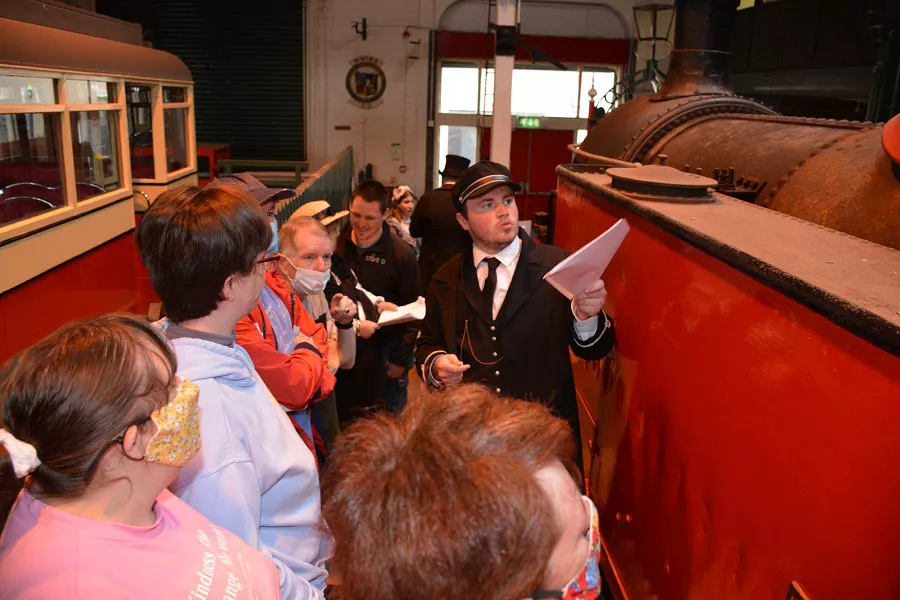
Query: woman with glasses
{"points": [[95, 426], [206, 253]]}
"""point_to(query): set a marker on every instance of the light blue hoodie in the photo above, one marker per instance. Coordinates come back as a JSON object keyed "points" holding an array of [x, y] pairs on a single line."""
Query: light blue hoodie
{"points": [[254, 475]]}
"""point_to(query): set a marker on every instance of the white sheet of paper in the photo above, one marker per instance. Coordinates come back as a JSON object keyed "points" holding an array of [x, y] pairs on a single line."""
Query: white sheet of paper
{"points": [[414, 311], [584, 267], [360, 310]]}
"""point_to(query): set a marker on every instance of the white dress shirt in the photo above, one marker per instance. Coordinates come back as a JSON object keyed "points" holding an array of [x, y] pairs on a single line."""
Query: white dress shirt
{"points": [[509, 260]]}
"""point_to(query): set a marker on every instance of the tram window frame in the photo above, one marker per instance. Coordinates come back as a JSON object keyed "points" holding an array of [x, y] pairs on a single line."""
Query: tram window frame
{"points": [[180, 100], [158, 107], [70, 206]]}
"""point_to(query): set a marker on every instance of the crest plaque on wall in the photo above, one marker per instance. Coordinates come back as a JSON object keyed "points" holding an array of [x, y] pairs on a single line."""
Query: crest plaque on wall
{"points": [[366, 82]]}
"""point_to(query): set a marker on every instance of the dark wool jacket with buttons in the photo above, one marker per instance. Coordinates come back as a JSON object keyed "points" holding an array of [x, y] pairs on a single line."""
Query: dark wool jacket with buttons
{"points": [[529, 341]]}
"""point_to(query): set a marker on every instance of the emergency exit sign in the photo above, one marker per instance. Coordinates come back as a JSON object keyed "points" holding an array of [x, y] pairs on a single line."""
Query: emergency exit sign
{"points": [[528, 122]]}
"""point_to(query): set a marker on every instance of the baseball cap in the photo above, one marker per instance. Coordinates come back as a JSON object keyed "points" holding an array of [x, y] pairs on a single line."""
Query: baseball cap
{"points": [[479, 179], [321, 210], [252, 186]]}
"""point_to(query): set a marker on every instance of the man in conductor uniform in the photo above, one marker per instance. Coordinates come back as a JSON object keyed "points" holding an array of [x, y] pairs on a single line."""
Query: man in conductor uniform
{"points": [[434, 220], [491, 318]]}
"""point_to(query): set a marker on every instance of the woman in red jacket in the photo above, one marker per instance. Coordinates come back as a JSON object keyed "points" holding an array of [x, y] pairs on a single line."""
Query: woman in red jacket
{"points": [[288, 348]]}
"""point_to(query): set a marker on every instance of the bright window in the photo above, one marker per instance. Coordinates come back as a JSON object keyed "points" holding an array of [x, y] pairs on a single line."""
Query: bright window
{"points": [[603, 81], [535, 92], [545, 92], [461, 141], [459, 90], [486, 91], [580, 135]]}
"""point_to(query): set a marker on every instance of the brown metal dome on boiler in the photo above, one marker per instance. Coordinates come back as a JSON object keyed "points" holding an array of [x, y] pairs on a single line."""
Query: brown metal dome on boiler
{"points": [[832, 173]]}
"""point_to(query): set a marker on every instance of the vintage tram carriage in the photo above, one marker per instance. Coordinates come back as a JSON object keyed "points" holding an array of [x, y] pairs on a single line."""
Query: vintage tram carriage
{"points": [[91, 130]]}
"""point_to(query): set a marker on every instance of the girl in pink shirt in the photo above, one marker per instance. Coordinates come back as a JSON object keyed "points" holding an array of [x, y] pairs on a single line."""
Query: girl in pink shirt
{"points": [[95, 422]]}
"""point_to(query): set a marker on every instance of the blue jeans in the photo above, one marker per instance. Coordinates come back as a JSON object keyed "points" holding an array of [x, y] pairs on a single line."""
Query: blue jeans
{"points": [[395, 393]]}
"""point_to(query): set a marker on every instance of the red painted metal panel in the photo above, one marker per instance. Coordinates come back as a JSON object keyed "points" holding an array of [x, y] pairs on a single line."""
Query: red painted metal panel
{"points": [[106, 279], [480, 46], [533, 158], [744, 440]]}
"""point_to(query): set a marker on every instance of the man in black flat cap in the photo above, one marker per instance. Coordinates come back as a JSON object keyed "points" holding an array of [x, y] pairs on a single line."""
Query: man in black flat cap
{"points": [[491, 318], [434, 220]]}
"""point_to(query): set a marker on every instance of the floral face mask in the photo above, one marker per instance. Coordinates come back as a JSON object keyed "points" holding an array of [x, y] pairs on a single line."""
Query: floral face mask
{"points": [[177, 437], [586, 584]]}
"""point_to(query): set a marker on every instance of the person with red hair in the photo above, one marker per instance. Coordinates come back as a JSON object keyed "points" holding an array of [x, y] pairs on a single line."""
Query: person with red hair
{"points": [[462, 495]]}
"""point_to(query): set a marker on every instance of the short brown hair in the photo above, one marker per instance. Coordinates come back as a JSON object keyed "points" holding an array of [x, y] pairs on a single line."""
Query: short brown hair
{"points": [[297, 222], [373, 191], [441, 501], [73, 392], [192, 240]]}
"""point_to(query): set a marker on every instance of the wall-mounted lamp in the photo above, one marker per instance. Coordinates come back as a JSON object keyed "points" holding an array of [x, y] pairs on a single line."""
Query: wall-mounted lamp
{"points": [[360, 28]]}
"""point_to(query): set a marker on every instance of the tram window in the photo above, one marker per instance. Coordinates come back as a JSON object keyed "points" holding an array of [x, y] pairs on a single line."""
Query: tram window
{"points": [[90, 92], [603, 81], [96, 153], [176, 139], [15, 89], [580, 135], [140, 131], [174, 94], [30, 178]]}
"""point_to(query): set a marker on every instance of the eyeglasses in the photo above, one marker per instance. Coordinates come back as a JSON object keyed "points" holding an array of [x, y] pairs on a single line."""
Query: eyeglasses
{"points": [[110, 444], [269, 261]]}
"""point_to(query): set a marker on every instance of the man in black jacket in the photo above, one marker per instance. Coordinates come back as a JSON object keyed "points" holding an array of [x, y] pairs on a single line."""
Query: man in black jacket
{"points": [[490, 316], [385, 266], [434, 220]]}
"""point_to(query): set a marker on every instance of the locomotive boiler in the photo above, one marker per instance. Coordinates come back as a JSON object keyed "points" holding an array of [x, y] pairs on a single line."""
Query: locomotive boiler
{"points": [[743, 432], [829, 172]]}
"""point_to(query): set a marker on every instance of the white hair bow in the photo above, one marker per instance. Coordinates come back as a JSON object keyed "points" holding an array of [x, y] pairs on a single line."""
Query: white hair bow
{"points": [[402, 190], [22, 454]]}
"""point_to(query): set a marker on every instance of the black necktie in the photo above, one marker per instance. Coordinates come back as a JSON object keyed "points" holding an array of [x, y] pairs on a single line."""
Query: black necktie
{"points": [[490, 285]]}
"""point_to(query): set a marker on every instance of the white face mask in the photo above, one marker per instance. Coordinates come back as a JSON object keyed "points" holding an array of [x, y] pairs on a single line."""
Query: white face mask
{"points": [[309, 282]]}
